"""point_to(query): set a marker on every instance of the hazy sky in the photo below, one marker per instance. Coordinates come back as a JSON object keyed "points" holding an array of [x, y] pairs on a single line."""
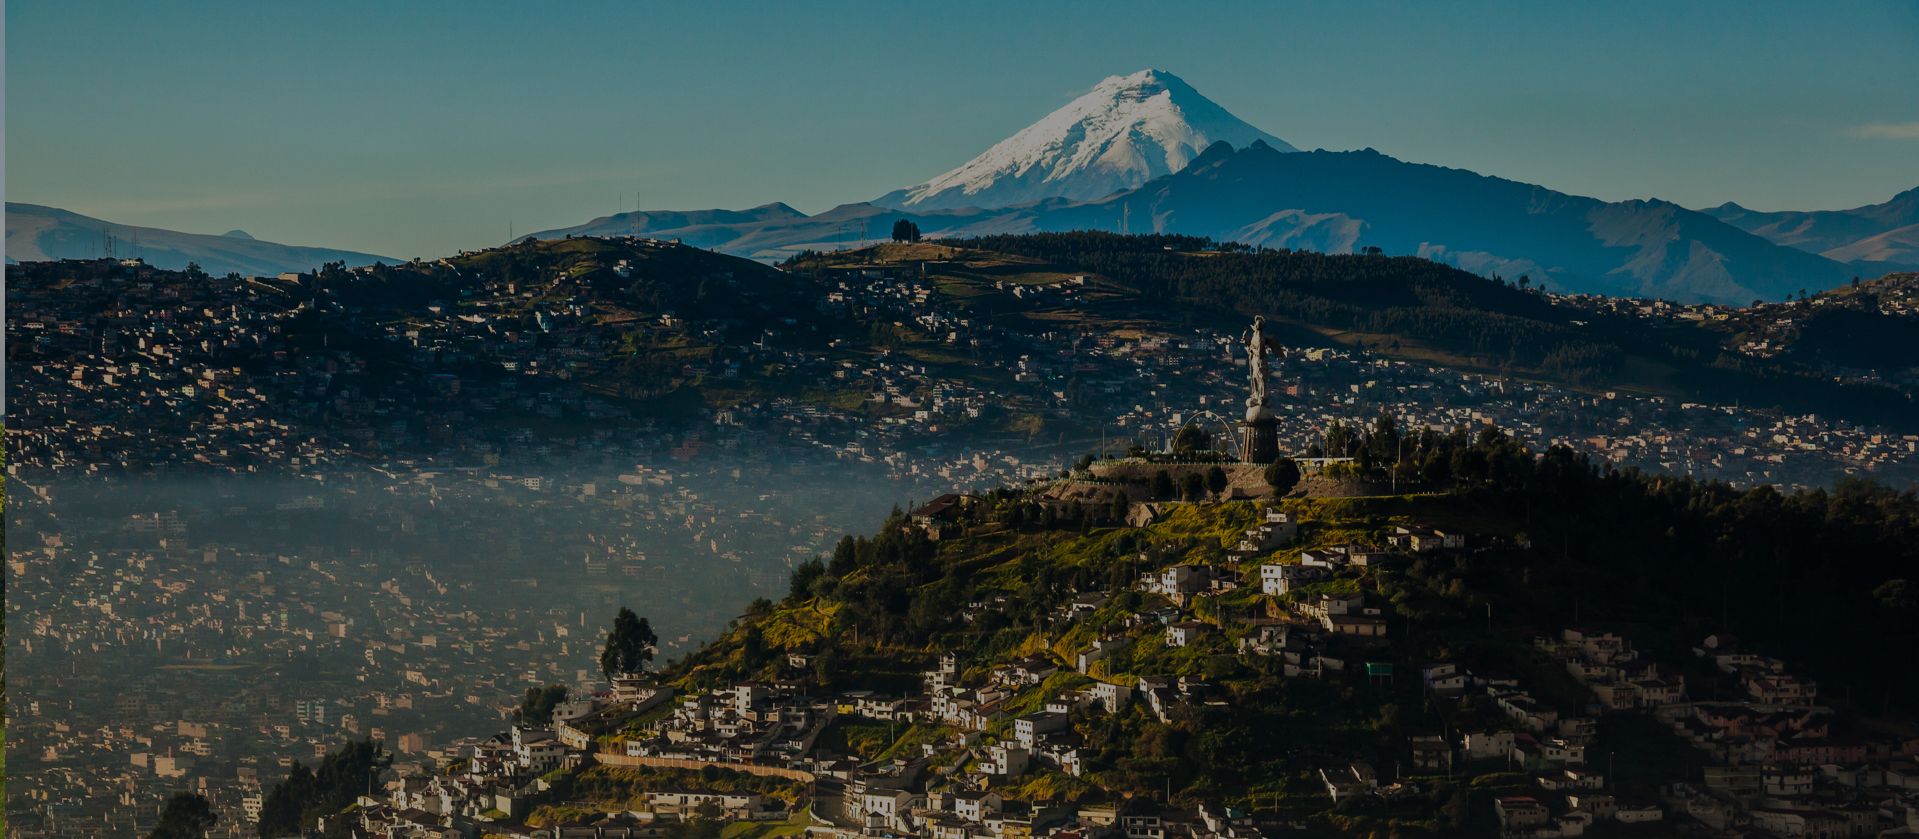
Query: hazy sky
{"points": [[417, 128]]}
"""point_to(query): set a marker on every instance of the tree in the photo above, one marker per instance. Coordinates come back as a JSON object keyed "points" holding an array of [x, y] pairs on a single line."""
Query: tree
{"points": [[1896, 595], [753, 650], [1162, 484], [281, 809], [905, 230], [1282, 475], [1383, 442], [1191, 438], [1216, 480], [826, 666], [184, 816], [537, 708], [1192, 487], [630, 646], [804, 576], [294, 805]]}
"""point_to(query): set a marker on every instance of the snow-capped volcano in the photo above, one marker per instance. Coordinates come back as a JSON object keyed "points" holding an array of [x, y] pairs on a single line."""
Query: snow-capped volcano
{"points": [[1126, 131]]}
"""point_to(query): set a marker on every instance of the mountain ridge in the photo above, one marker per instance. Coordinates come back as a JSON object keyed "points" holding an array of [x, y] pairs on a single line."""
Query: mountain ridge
{"points": [[39, 232], [1256, 189], [1344, 201], [1887, 232]]}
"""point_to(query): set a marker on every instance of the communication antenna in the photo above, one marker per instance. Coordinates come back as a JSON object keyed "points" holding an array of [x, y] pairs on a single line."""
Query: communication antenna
{"points": [[1126, 219]]}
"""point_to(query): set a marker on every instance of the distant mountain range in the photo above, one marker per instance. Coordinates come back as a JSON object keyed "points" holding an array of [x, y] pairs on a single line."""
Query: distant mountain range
{"points": [[38, 233], [1146, 153], [1876, 233], [1340, 202], [767, 231]]}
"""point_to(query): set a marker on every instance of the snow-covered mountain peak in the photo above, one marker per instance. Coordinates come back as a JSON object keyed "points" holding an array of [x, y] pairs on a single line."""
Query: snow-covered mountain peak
{"points": [[1124, 132]]}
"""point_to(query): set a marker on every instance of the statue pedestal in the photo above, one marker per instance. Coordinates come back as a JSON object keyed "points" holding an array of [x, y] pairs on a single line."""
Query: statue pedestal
{"points": [[1259, 436]]}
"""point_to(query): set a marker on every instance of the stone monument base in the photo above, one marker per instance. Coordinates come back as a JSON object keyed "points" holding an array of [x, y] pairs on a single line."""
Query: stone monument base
{"points": [[1259, 436]]}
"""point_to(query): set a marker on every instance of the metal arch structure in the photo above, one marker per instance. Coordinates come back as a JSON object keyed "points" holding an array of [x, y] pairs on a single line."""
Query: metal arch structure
{"points": [[1224, 423]]}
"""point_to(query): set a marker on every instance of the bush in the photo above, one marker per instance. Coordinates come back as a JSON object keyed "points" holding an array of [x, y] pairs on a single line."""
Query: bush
{"points": [[1282, 475]]}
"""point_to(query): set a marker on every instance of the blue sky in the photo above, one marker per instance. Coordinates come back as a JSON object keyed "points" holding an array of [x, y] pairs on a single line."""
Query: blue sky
{"points": [[418, 128]]}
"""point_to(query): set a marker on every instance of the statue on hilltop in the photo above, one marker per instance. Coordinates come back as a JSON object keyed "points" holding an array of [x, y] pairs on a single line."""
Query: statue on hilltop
{"points": [[1259, 434], [1258, 347]]}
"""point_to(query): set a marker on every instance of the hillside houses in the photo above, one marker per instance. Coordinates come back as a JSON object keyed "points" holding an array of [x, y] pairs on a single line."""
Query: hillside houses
{"points": [[1776, 766], [169, 339], [1181, 583], [938, 516], [1344, 614], [1277, 579], [1276, 529], [1420, 539], [1764, 679], [1608, 666], [1186, 633]]}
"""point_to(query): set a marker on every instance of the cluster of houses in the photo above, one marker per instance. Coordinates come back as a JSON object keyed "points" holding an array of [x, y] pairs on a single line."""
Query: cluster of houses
{"points": [[1570, 793], [1769, 764], [751, 722], [1609, 667], [1780, 762], [772, 729], [529, 346], [397, 647], [495, 785], [995, 735], [1298, 638]]}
